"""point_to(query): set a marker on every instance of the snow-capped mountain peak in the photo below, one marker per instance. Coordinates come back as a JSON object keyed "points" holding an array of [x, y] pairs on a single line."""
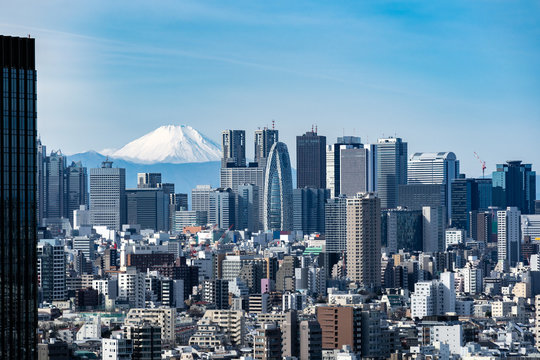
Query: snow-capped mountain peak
{"points": [[174, 144]]}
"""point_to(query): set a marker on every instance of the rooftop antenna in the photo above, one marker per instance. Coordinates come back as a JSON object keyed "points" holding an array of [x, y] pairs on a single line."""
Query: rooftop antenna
{"points": [[311, 127], [273, 124], [315, 129]]}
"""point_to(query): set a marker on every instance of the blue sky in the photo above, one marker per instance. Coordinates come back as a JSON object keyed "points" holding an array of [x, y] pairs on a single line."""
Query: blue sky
{"points": [[458, 76]]}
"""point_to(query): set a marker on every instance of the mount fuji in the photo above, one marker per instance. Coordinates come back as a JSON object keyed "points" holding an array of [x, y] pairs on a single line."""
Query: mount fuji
{"points": [[174, 144], [180, 153]]}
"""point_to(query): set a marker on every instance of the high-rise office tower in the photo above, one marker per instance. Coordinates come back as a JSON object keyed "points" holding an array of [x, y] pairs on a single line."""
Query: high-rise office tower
{"points": [[55, 201], [76, 188], [336, 225], [364, 240], [148, 207], [433, 224], [247, 207], [107, 196], [309, 213], [148, 180], [199, 197], [264, 140], [434, 168], [179, 201], [278, 202], [311, 160], [402, 229], [508, 235], [235, 177], [221, 208], [18, 237], [514, 184], [464, 199], [350, 167], [391, 170], [233, 143], [481, 226], [469, 195]]}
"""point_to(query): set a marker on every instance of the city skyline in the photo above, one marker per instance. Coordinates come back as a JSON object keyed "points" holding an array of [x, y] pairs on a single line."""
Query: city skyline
{"points": [[465, 74]]}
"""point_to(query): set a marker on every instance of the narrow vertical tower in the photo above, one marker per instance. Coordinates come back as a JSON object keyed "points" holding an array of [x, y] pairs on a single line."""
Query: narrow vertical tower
{"points": [[311, 160], [364, 240], [278, 199], [18, 219]]}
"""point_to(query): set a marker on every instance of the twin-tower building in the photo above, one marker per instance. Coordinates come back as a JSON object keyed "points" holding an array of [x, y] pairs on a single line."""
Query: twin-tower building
{"points": [[262, 189]]}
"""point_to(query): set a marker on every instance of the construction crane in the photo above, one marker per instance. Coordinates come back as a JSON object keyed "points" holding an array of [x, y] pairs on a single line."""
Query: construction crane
{"points": [[481, 162]]}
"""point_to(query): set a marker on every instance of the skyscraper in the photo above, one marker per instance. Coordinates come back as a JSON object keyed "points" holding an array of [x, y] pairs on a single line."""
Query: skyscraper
{"points": [[278, 202], [264, 140], [333, 162], [309, 214], [76, 188], [247, 207], [221, 208], [148, 208], [336, 225], [311, 160], [508, 235], [514, 184], [391, 170], [107, 196], [199, 197], [55, 201], [233, 143], [364, 239], [18, 276], [234, 177], [434, 168]]}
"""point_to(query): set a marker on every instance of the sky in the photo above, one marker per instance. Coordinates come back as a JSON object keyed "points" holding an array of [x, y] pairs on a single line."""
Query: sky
{"points": [[461, 76]]}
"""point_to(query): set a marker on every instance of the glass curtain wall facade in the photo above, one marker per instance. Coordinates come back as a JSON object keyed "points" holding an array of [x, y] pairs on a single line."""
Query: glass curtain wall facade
{"points": [[18, 221]]}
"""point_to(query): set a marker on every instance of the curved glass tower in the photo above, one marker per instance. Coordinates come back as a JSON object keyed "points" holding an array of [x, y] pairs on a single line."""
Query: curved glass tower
{"points": [[278, 199]]}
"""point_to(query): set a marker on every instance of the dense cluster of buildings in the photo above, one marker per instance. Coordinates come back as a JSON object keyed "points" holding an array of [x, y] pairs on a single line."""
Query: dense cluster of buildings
{"points": [[375, 253]]}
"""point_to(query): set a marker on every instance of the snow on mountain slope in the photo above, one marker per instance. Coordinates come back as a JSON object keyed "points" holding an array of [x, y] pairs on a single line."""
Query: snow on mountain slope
{"points": [[175, 144]]}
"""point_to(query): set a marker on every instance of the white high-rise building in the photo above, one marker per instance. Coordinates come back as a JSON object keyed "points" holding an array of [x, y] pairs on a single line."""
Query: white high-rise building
{"points": [[508, 235], [436, 297], [472, 279], [107, 196], [116, 348], [454, 237], [434, 168], [131, 287]]}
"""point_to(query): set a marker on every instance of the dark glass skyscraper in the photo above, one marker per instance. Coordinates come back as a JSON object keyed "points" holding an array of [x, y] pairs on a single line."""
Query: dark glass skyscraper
{"points": [[76, 188], [514, 184], [309, 213], [18, 221], [233, 143], [311, 160], [391, 168]]}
